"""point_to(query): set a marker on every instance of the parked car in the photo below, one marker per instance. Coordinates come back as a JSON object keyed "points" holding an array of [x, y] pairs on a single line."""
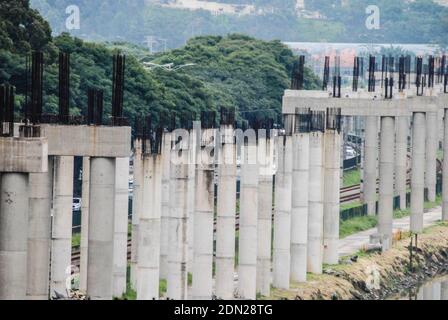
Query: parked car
{"points": [[76, 205]]}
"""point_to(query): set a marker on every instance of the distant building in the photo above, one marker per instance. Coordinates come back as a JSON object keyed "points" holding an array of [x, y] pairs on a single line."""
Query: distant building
{"points": [[215, 8]]}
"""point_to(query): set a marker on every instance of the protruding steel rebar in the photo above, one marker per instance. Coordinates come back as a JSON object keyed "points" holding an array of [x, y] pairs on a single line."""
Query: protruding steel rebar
{"points": [[402, 74], [227, 116], [6, 111], [356, 63], [372, 81], [431, 71], [337, 80], [418, 75], [119, 63], [317, 121], [334, 119], [208, 119], [326, 77], [297, 79], [95, 107], [302, 123], [64, 87], [37, 70]]}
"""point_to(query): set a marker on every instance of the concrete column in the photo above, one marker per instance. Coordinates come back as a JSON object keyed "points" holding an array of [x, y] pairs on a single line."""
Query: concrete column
{"points": [[299, 217], [225, 227], [166, 153], [191, 197], [316, 207], [418, 172], [137, 205], [386, 188], [178, 225], [265, 195], [13, 235], [149, 229], [39, 233], [247, 255], [204, 220], [62, 225], [444, 291], [121, 226], [84, 223], [401, 159], [445, 170], [282, 215], [101, 229], [370, 164], [332, 187], [431, 155]]}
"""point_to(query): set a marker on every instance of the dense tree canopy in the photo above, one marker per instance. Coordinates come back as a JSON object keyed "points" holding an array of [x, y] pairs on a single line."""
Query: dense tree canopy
{"points": [[233, 71]]}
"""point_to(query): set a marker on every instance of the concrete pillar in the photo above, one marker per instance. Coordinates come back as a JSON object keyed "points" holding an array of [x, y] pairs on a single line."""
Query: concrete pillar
{"points": [[370, 164], [418, 172], [265, 195], [84, 223], [225, 227], [39, 233], [204, 219], [137, 205], [13, 235], [101, 229], [62, 225], [121, 226], [282, 215], [444, 291], [316, 208], [431, 155], [166, 164], [386, 185], [332, 187], [191, 197], [178, 225], [401, 159], [247, 255], [299, 217], [149, 229], [445, 170]]}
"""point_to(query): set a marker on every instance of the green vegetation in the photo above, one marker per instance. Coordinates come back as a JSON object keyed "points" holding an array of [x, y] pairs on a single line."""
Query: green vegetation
{"points": [[352, 177], [233, 71], [419, 21], [357, 224], [76, 240]]}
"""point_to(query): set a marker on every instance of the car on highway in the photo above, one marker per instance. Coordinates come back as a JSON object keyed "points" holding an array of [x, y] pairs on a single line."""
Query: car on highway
{"points": [[76, 204]]}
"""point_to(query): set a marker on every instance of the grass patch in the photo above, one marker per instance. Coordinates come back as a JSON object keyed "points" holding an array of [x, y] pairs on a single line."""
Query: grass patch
{"points": [[357, 224], [76, 240], [351, 205], [352, 177]]}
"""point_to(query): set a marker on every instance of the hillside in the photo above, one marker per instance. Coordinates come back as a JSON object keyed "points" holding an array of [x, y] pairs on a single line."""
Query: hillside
{"points": [[235, 71], [402, 21]]}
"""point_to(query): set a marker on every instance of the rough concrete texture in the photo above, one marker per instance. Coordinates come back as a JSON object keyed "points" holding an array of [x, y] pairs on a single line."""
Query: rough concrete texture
{"points": [[282, 213], [62, 225], [39, 233], [121, 225], [225, 227], [299, 217], [166, 153], [84, 223], [27, 155], [101, 229], [316, 208], [247, 260], [149, 229], [418, 172], [265, 195], [386, 184], [370, 164], [204, 220], [88, 141], [332, 187], [13, 235]]}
